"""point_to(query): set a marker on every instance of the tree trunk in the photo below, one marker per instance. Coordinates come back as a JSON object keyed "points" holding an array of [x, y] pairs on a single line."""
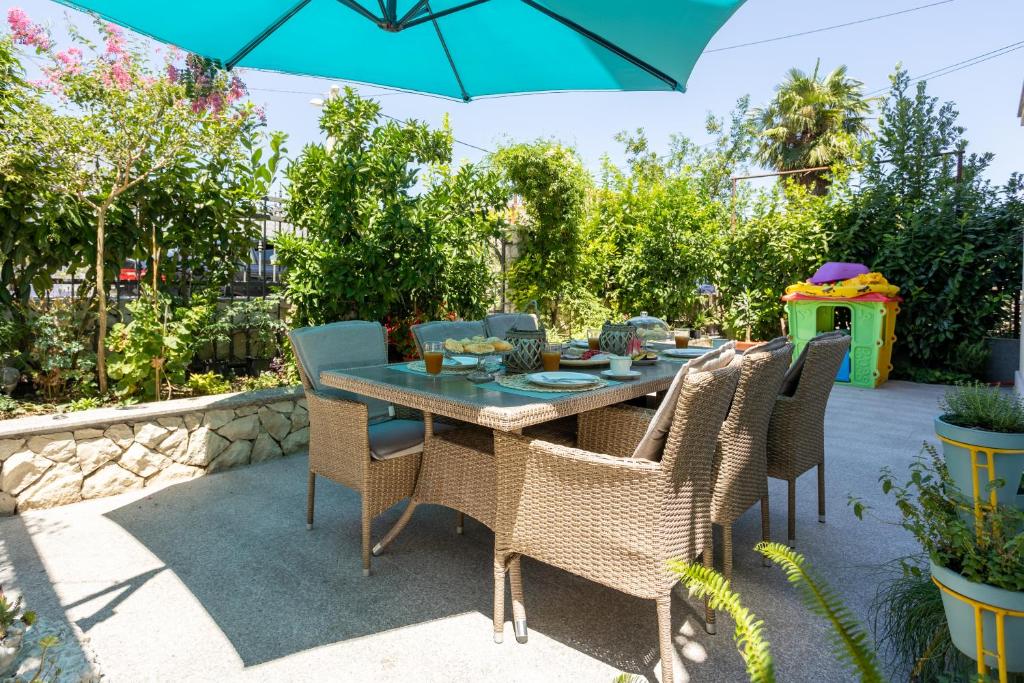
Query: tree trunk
{"points": [[101, 299]]}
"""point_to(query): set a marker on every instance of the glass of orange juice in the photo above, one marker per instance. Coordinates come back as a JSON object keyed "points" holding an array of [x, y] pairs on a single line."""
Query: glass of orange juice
{"points": [[594, 339], [682, 338], [551, 356], [433, 357]]}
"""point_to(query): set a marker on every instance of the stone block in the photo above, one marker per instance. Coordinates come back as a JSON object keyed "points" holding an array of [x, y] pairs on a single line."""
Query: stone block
{"points": [[235, 454], [176, 444], [122, 435], [93, 453], [265, 448], [108, 480], [143, 461], [246, 410], [300, 418], [87, 433], [7, 504], [175, 472], [21, 470], [296, 441], [60, 485], [215, 419], [171, 423], [192, 421], [204, 445], [59, 446], [283, 407], [275, 424], [149, 434], [241, 428], [9, 447]]}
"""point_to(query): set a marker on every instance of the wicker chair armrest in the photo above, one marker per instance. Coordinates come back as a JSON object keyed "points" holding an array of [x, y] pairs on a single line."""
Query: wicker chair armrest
{"points": [[615, 430], [342, 412]]}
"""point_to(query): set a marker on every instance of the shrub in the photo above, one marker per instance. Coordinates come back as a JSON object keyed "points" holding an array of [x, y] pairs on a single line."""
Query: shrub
{"points": [[61, 356], [977, 406], [208, 384]]}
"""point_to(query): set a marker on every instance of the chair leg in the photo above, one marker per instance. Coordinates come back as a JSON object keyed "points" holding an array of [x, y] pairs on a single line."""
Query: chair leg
{"points": [[515, 577], [310, 495], [664, 606], [821, 491], [791, 522], [727, 551], [766, 527], [366, 540], [396, 529], [709, 614], [499, 598], [460, 522]]}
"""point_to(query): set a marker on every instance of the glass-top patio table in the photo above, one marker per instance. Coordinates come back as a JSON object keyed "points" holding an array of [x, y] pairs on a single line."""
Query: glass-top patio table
{"points": [[490, 405], [459, 470]]}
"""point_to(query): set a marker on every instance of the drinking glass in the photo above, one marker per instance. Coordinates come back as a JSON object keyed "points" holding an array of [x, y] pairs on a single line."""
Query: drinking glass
{"points": [[433, 357], [594, 339], [551, 356], [682, 338]]}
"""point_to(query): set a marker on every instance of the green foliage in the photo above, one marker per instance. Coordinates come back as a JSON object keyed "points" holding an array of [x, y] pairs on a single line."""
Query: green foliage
{"points": [[935, 512], [265, 380], [8, 406], [953, 246], [154, 349], [704, 582], [850, 642], [910, 623], [84, 403], [61, 359], [258, 320], [813, 121], [374, 247], [552, 183], [978, 406], [11, 612], [208, 384]]}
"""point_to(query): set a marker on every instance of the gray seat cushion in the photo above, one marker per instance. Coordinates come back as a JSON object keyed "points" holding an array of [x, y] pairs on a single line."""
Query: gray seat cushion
{"points": [[338, 346], [395, 438], [792, 379], [498, 324], [768, 347], [439, 330], [652, 445]]}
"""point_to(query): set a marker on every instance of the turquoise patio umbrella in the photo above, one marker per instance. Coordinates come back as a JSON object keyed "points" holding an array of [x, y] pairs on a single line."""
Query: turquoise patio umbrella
{"points": [[454, 48]]}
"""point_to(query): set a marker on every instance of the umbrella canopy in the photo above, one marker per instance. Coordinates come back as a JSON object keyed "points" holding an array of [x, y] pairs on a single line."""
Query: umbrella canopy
{"points": [[454, 48]]}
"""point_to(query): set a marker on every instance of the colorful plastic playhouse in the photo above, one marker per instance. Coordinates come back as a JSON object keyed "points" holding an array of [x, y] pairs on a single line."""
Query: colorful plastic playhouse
{"points": [[872, 304]]}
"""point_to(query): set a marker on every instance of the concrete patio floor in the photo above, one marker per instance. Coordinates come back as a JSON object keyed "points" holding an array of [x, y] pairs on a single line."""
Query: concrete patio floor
{"points": [[217, 579]]}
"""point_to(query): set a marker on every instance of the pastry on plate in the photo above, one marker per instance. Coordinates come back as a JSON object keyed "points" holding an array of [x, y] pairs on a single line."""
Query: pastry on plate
{"points": [[454, 346], [479, 348], [501, 345]]}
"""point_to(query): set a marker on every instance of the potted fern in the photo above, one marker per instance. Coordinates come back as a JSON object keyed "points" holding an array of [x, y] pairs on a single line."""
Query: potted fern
{"points": [[988, 422], [13, 624], [975, 560]]}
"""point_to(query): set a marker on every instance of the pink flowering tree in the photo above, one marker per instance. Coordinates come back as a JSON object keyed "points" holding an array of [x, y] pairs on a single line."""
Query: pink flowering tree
{"points": [[129, 126]]}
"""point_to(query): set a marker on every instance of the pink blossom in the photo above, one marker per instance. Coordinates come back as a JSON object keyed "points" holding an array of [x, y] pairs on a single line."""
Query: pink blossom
{"points": [[261, 114], [25, 32], [172, 73], [121, 76], [236, 89], [71, 60]]}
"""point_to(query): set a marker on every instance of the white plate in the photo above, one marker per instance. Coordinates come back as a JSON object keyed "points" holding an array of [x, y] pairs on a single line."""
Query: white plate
{"points": [[460, 362], [596, 360], [573, 380], [629, 374], [685, 353]]}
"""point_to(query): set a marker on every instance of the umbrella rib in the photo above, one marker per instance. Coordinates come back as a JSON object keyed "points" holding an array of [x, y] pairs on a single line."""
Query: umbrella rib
{"points": [[608, 45], [433, 16], [415, 10], [362, 11], [266, 33], [448, 54]]}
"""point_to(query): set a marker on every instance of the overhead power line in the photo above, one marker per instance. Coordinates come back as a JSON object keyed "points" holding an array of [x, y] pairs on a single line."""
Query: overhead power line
{"points": [[962, 64], [829, 28]]}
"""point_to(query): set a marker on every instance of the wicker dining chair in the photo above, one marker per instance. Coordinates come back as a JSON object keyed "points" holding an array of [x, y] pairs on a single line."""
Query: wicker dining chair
{"points": [[600, 513], [796, 433], [367, 445], [739, 476], [499, 324], [439, 330]]}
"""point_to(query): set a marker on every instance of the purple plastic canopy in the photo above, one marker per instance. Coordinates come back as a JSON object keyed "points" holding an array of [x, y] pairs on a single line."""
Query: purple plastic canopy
{"points": [[834, 271]]}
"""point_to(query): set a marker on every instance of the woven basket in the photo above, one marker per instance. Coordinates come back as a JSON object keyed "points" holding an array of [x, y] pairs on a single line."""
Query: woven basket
{"points": [[526, 349], [616, 338]]}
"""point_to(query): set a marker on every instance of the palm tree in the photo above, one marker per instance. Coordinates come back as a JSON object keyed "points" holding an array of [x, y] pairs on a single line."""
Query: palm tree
{"points": [[812, 121]]}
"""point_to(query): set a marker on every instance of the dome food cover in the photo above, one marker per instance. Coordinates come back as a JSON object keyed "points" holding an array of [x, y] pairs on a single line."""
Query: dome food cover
{"points": [[648, 327]]}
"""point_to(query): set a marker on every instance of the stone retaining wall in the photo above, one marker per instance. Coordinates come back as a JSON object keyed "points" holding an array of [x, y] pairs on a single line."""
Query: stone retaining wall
{"points": [[58, 459]]}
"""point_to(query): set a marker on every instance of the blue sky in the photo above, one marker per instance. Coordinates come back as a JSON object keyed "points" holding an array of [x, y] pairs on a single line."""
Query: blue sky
{"points": [[924, 41]]}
